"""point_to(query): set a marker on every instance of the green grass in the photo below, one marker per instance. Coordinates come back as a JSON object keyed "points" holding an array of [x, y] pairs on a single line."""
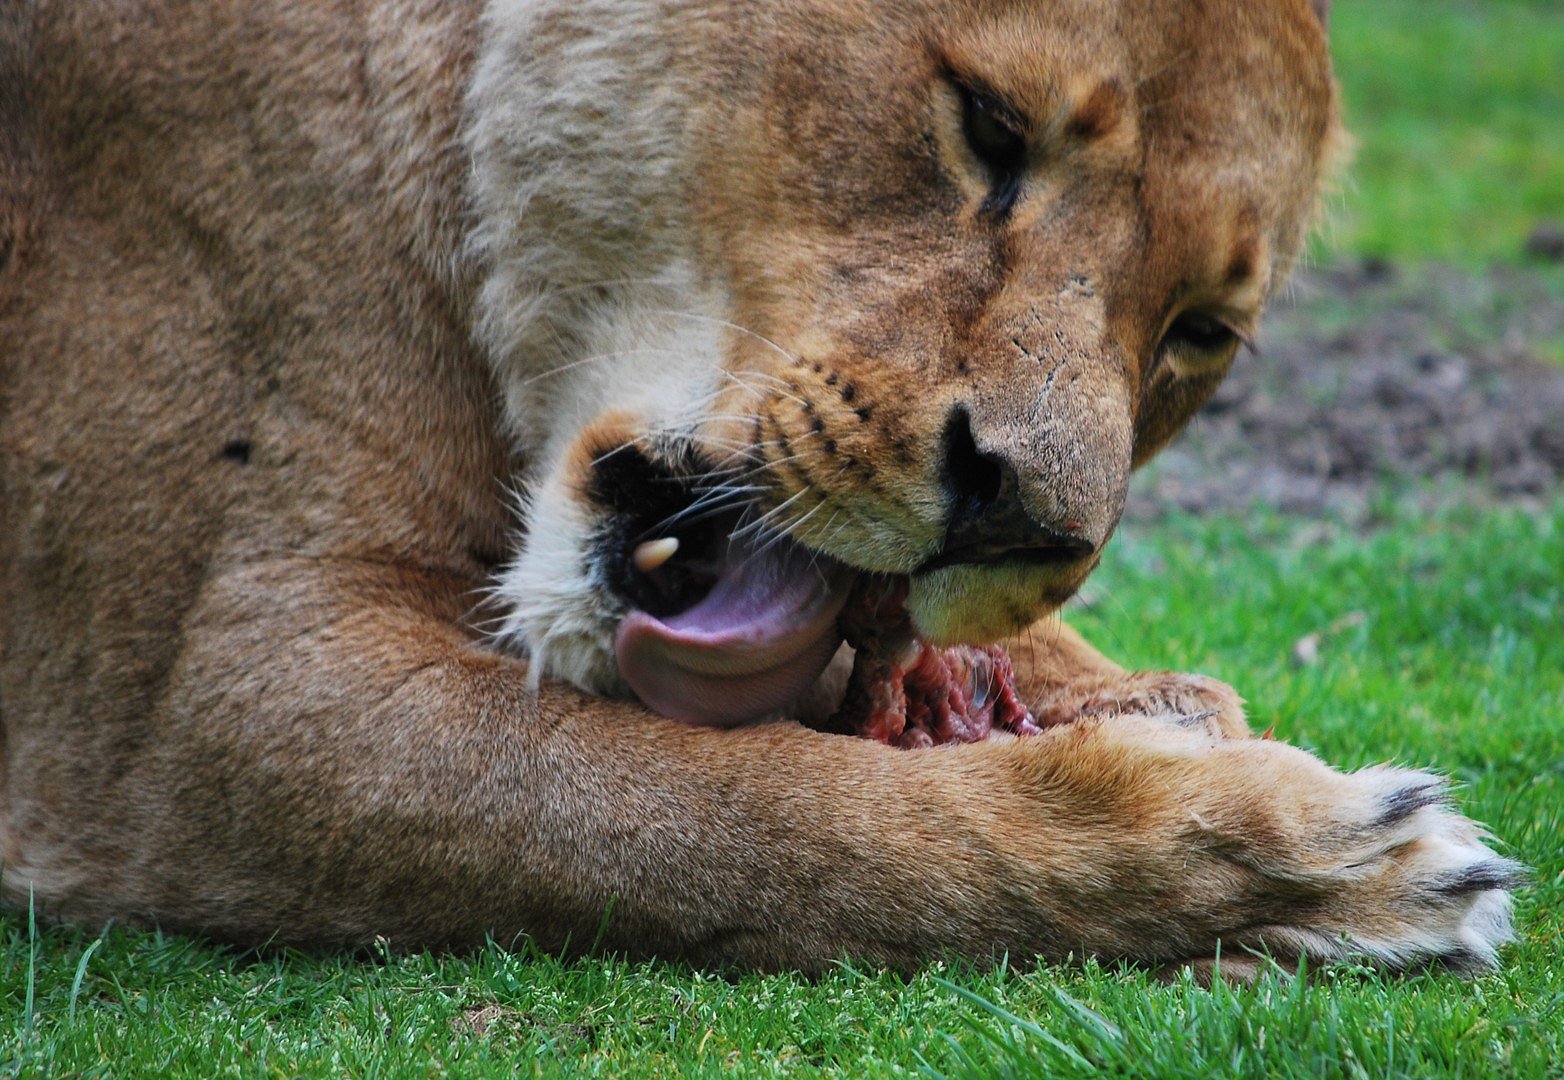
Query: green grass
{"points": [[1447, 650], [1457, 107]]}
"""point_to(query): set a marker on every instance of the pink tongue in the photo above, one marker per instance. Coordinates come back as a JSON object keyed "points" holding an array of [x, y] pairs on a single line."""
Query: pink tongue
{"points": [[755, 643]]}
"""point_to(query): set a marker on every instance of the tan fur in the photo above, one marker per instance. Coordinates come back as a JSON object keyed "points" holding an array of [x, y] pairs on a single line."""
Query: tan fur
{"points": [[254, 326]]}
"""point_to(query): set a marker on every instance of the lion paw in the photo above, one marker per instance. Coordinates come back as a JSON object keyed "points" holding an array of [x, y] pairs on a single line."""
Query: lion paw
{"points": [[1395, 877]]}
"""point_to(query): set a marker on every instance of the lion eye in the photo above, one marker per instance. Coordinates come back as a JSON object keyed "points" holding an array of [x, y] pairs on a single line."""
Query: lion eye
{"points": [[994, 135], [1200, 333], [1197, 343]]}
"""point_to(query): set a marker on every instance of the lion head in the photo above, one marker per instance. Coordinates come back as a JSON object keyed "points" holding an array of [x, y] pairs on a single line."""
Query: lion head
{"points": [[785, 294]]}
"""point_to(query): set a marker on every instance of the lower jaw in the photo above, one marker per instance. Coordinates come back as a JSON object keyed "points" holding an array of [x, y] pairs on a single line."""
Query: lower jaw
{"points": [[955, 605]]}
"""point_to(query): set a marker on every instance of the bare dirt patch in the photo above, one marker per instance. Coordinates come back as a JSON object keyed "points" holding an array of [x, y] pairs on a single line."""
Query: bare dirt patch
{"points": [[479, 1019], [1431, 380]]}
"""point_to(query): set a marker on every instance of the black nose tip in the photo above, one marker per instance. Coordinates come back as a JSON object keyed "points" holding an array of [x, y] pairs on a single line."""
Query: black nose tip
{"points": [[988, 520]]}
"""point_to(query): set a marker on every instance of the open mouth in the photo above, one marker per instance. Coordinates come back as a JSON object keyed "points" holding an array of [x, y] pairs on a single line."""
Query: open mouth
{"points": [[762, 633], [729, 625]]}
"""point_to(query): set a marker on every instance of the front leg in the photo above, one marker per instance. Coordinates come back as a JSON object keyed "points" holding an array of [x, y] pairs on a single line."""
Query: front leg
{"points": [[1063, 679], [350, 766]]}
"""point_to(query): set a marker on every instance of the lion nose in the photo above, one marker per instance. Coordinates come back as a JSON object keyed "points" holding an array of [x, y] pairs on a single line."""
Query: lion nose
{"points": [[988, 519]]}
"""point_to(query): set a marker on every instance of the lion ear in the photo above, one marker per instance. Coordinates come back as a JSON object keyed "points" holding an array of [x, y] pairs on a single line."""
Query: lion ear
{"points": [[1322, 9]]}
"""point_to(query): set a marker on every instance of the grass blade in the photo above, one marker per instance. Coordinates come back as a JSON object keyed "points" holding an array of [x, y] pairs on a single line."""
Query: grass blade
{"points": [[81, 971], [32, 966]]}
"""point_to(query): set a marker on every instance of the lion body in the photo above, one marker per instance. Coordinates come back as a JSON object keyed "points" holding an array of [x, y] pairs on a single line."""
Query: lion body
{"points": [[277, 329]]}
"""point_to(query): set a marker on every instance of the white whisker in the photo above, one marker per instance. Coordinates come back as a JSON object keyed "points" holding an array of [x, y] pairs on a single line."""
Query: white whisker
{"points": [[760, 522], [780, 351], [598, 358], [759, 374]]}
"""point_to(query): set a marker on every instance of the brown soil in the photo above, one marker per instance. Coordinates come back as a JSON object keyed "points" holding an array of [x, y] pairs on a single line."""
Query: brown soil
{"points": [[1431, 380]]}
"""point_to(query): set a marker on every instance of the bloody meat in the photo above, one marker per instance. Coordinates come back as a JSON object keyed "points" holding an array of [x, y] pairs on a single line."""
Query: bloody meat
{"points": [[907, 693]]}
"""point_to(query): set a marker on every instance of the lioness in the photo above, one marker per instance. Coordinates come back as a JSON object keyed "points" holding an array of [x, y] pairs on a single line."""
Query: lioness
{"points": [[748, 300]]}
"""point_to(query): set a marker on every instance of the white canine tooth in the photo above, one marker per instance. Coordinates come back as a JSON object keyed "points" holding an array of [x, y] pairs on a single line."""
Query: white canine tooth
{"points": [[909, 653], [652, 554]]}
